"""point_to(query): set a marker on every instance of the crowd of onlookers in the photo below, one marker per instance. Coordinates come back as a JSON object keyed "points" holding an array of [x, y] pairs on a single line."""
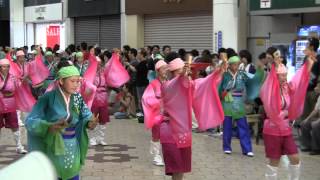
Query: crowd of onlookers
{"points": [[125, 102]]}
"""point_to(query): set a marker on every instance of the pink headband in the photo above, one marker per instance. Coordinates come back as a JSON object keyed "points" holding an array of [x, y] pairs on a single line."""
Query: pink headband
{"points": [[176, 64], [281, 69], [159, 64], [20, 53], [4, 62]]}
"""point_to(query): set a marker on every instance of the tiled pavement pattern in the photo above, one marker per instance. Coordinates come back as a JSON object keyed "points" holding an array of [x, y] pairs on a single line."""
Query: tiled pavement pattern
{"points": [[127, 158]]}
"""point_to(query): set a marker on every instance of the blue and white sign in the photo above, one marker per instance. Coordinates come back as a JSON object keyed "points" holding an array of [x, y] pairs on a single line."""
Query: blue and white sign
{"points": [[305, 31], [219, 39]]}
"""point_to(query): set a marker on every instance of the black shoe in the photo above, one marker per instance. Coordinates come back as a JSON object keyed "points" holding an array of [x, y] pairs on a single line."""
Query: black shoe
{"points": [[312, 153]]}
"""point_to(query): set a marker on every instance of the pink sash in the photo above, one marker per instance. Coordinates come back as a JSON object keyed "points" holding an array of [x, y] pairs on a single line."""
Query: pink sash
{"points": [[151, 104], [115, 74], [91, 72], [24, 98], [38, 72], [206, 102]]}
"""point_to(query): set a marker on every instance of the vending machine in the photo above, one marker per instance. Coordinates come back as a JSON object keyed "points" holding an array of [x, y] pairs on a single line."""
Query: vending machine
{"points": [[304, 32], [300, 46]]}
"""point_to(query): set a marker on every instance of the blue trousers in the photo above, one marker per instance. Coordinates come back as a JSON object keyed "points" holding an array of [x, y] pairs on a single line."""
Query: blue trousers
{"points": [[243, 132], [77, 177]]}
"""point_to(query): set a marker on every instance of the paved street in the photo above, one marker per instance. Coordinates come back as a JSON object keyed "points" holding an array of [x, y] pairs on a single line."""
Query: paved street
{"points": [[127, 158]]}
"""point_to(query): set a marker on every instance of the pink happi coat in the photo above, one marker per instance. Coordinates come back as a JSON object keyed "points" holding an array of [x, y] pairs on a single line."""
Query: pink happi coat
{"points": [[207, 106], [23, 95], [38, 71], [177, 104], [8, 104], [282, 106], [22, 98], [180, 95], [115, 74], [151, 103], [14, 68], [101, 97]]}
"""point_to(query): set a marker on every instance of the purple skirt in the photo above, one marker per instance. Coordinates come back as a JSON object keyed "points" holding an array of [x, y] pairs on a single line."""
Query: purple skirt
{"points": [[177, 160]]}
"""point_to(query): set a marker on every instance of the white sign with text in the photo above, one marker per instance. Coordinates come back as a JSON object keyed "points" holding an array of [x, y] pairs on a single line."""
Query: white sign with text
{"points": [[47, 12]]}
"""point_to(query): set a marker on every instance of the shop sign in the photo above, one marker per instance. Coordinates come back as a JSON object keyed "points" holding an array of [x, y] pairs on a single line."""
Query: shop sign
{"points": [[48, 12], [219, 39], [265, 4], [260, 42], [53, 36]]}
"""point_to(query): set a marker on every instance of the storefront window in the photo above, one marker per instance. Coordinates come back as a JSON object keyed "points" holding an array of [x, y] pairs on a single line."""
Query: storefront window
{"points": [[47, 34]]}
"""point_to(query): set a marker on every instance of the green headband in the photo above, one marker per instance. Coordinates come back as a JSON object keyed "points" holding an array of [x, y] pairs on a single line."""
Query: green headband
{"points": [[234, 59], [68, 71], [48, 53], [79, 54], [35, 52]]}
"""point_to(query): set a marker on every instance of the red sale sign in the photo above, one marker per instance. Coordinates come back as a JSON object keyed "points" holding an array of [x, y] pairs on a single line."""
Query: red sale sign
{"points": [[53, 36]]}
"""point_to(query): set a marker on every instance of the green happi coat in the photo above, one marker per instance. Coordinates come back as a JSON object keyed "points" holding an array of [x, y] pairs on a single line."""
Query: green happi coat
{"points": [[67, 155], [244, 84]]}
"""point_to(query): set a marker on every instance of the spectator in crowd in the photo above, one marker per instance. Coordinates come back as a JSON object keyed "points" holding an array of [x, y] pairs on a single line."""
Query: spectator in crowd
{"points": [[171, 56], [25, 50], [263, 59], [155, 50], [221, 53], [56, 48], [204, 58], [166, 50], [84, 50], [310, 129], [142, 75], [150, 63], [33, 47], [246, 62], [131, 68], [214, 63], [231, 52], [182, 53], [315, 72], [148, 49], [127, 104], [106, 56], [126, 49], [195, 54]]}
